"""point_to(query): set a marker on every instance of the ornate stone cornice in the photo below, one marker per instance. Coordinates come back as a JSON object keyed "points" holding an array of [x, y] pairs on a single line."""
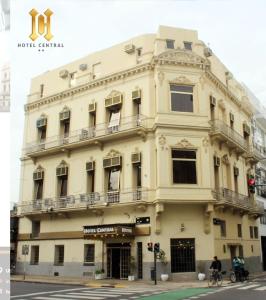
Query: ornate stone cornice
{"points": [[169, 57], [89, 85]]}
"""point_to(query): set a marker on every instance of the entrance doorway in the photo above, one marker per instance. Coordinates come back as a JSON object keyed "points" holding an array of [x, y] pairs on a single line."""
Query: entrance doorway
{"points": [[263, 247], [118, 257], [232, 252]]}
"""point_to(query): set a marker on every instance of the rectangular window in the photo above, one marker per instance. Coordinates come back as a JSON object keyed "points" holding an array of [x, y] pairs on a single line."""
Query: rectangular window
{"points": [[114, 180], [181, 98], [90, 181], [239, 230], [59, 255], [62, 182], [182, 255], [35, 228], [41, 90], [114, 121], [34, 255], [140, 260], [184, 166], [251, 232], [256, 232], [170, 44], [89, 254], [42, 134], [38, 189], [188, 45], [263, 219], [223, 228], [72, 79]]}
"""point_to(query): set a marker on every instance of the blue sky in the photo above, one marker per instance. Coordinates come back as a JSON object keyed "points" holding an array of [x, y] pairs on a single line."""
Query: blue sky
{"points": [[235, 30]]}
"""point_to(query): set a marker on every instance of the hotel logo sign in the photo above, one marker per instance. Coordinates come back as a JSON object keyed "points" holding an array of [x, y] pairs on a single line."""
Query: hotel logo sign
{"points": [[41, 24]]}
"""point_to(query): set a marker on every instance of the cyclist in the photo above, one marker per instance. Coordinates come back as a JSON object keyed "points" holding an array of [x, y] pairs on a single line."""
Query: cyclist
{"points": [[237, 268], [216, 266]]}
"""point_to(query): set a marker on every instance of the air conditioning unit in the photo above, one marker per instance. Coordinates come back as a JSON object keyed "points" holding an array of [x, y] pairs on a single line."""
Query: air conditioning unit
{"points": [[64, 115], [38, 175], [90, 165], [207, 52], [63, 74], [41, 122], [136, 158], [136, 95], [130, 48], [117, 99], [113, 101], [246, 129], [232, 117], [92, 107], [83, 67], [112, 162], [61, 171], [84, 134], [236, 171], [217, 161], [212, 101]]}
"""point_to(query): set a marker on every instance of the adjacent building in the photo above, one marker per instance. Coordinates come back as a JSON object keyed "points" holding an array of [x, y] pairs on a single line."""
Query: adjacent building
{"points": [[5, 88], [147, 141]]}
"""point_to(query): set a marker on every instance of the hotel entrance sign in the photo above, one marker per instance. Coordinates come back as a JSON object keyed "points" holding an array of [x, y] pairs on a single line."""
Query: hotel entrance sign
{"points": [[109, 230]]}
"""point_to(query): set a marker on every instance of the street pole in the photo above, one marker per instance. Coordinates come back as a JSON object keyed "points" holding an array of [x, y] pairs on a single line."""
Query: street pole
{"points": [[155, 271], [24, 275]]}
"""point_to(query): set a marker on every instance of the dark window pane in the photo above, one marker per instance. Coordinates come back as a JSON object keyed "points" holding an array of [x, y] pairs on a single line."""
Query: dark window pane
{"points": [[181, 88], [188, 45], [182, 102], [183, 154], [170, 44], [184, 172], [182, 255]]}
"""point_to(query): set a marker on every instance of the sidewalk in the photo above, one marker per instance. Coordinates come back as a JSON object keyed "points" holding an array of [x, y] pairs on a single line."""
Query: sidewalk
{"points": [[169, 285], [120, 283]]}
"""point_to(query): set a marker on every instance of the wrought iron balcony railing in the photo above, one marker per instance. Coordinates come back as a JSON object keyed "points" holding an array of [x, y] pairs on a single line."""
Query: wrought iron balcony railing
{"points": [[83, 201], [225, 133], [100, 132], [229, 197], [257, 152]]}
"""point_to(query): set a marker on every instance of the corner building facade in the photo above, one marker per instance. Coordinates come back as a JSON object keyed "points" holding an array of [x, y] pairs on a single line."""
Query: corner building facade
{"points": [[147, 141]]}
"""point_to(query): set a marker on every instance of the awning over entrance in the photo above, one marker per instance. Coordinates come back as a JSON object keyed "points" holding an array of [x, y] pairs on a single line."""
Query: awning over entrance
{"points": [[108, 231]]}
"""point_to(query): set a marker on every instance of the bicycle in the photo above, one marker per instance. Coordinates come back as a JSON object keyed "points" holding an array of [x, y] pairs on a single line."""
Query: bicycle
{"points": [[215, 278], [239, 275]]}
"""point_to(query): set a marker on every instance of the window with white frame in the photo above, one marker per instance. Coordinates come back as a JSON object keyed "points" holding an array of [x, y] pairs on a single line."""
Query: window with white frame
{"points": [[114, 122], [181, 98], [89, 254], [184, 166]]}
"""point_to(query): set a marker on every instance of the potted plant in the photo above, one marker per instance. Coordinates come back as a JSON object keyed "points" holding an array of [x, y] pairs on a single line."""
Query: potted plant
{"points": [[99, 274], [162, 258], [201, 274], [132, 266]]}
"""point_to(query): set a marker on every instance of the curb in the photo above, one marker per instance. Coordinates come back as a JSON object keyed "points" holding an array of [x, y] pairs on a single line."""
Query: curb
{"points": [[95, 285], [46, 282]]}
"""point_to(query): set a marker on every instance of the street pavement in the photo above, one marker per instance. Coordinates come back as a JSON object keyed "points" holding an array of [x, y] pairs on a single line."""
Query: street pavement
{"points": [[37, 291], [255, 289]]}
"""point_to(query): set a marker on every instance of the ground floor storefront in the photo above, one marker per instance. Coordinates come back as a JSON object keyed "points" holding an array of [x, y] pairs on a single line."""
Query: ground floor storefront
{"points": [[188, 235]]}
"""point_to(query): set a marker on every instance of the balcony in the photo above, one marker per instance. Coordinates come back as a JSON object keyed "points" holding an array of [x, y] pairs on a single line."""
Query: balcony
{"points": [[243, 203], [130, 126], [256, 153], [85, 201], [226, 135]]}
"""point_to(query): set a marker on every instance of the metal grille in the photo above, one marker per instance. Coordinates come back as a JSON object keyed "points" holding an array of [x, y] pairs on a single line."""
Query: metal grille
{"points": [[124, 262], [182, 255], [140, 260]]}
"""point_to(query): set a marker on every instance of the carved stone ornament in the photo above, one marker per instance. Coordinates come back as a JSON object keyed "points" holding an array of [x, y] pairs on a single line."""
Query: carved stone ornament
{"points": [[161, 77], [181, 56], [162, 141], [113, 153], [205, 143], [65, 109], [181, 80], [185, 144], [114, 93], [62, 164], [225, 159], [39, 168]]}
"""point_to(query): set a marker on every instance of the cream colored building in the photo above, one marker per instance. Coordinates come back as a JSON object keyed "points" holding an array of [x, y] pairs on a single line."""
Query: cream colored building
{"points": [[147, 141]]}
